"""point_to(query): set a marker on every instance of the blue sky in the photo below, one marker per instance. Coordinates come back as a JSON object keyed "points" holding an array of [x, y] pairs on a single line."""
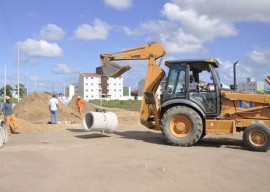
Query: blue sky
{"points": [[58, 38]]}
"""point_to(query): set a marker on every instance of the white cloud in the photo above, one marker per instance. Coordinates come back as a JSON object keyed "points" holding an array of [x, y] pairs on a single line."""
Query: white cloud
{"points": [[64, 69], [170, 35], [40, 48], [99, 30], [260, 56], [189, 24], [119, 4], [202, 26], [183, 31], [51, 32], [129, 32], [229, 10], [180, 42]]}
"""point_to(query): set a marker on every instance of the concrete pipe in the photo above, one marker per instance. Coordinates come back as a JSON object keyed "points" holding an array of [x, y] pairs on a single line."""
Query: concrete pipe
{"points": [[101, 122]]}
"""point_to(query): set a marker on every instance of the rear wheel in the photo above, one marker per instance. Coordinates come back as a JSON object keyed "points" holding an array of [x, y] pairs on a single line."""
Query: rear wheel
{"points": [[257, 137], [181, 126]]}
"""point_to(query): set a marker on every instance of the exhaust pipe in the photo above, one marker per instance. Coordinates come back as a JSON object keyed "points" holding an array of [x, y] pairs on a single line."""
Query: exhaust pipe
{"points": [[234, 75]]}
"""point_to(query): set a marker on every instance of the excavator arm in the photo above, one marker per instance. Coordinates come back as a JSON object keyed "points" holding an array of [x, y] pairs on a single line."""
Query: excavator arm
{"points": [[150, 106]]}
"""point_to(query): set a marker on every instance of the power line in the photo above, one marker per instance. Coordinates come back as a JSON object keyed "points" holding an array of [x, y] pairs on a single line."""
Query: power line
{"points": [[6, 22]]}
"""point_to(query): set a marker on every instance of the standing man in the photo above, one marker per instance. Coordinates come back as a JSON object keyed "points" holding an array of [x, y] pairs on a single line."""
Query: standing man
{"points": [[10, 117], [53, 108], [80, 103]]}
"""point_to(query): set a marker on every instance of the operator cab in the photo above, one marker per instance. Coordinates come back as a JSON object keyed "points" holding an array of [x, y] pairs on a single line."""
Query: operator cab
{"points": [[196, 81]]}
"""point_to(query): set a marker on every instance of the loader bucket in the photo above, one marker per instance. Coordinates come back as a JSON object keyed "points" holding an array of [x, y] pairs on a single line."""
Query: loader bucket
{"points": [[112, 69]]}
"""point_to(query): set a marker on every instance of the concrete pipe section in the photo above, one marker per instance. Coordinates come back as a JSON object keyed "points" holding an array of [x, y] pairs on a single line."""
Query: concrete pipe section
{"points": [[99, 121]]}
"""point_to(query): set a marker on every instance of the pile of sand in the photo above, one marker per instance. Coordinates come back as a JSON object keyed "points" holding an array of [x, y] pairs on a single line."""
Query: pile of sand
{"points": [[27, 126], [33, 113], [35, 108], [86, 107], [125, 117]]}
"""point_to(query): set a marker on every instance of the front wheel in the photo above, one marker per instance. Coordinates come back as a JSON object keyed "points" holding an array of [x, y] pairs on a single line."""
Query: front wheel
{"points": [[257, 137], [181, 126]]}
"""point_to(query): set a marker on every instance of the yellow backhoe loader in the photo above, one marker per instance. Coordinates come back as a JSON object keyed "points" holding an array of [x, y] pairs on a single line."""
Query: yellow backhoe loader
{"points": [[193, 102]]}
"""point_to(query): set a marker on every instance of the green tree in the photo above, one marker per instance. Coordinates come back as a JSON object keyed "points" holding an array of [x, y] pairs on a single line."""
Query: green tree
{"points": [[9, 90], [23, 90]]}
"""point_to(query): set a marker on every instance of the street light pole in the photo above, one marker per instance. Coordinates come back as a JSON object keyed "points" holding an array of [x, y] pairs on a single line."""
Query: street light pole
{"points": [[18, 74], [27, 82], [5, 83]]}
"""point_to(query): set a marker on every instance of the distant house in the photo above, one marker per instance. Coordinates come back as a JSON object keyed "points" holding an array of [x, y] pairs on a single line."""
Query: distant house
{"points": [[141, 84], [251, 86]]}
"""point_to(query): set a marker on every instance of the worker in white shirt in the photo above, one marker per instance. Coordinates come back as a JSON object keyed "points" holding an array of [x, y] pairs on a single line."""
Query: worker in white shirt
{"points": [[192, 84], [53, 108]]}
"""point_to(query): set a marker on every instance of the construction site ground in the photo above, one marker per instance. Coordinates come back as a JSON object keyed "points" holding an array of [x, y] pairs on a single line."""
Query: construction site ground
{"points": [[63, 158]]}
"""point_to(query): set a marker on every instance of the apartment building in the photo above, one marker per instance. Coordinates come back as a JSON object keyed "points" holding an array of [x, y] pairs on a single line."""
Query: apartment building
{"points": [[94, 86]]}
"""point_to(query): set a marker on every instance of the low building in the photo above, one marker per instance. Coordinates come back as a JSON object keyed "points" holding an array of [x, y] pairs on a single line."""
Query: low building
{"points": [[251, 86], [141, 84], [70, 91]]}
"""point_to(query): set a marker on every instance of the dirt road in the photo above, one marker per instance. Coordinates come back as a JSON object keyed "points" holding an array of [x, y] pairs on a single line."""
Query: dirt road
{"points": [[132, 159]]}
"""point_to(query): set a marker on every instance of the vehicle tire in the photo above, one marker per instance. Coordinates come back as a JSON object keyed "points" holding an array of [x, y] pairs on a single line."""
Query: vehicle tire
{"points": [[4, 131], [1, 138], [181, 126], [257, 137]]}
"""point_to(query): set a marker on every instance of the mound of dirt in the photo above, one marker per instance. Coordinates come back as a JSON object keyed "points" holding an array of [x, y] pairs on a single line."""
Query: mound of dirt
{"points": [[127, 117], [35, 108], [86, 107], [33, 113], [27, 126]]}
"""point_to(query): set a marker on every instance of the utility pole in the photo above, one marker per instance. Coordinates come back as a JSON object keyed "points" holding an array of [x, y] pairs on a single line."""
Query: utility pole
{"points": [[64, 90], [27, 82], [18, 73], [5, 84], [52, 87], [35, 85]]}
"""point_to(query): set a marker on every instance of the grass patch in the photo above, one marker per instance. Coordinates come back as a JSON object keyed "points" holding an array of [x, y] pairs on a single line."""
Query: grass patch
{"points": [[123, 104]]}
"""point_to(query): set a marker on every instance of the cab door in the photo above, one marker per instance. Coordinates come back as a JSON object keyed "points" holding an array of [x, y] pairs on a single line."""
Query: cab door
{"points": [[207, 93], [175, 83]]}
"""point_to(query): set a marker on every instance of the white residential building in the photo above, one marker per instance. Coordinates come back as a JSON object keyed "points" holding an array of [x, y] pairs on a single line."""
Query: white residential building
{"points": [[70, 91], [251, 86], [94, 86], [127, 94]]}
